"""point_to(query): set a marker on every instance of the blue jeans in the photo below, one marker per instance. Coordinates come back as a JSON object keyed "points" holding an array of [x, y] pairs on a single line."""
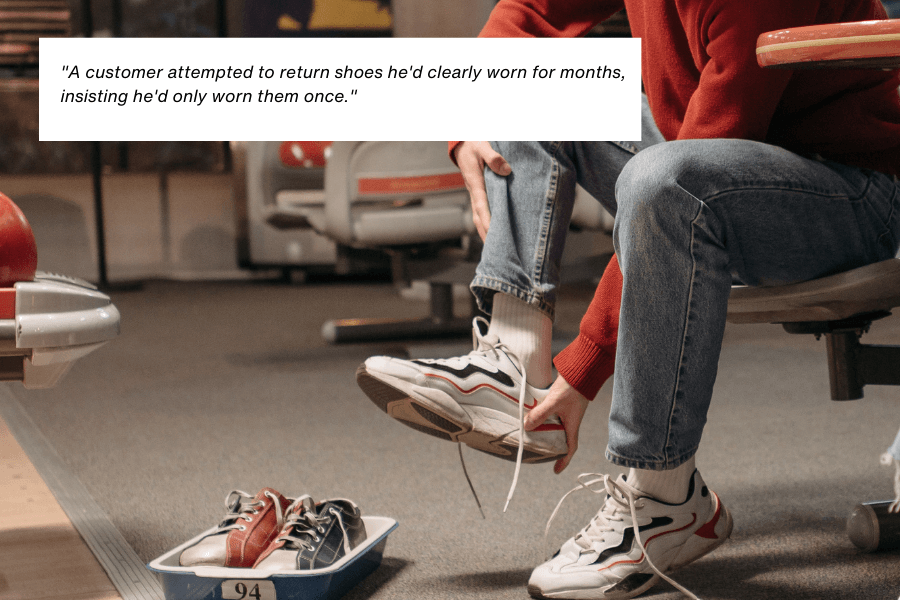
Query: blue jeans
{"points": [[691, 217]]}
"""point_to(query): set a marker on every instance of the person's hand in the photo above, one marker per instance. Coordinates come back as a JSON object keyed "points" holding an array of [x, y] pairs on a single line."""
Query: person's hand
{"points": [[569, 405], [471, 157]]}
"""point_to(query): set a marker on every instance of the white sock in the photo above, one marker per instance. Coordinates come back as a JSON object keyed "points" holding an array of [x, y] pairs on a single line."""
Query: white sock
{"points": [[668, 486], [528, 333]]}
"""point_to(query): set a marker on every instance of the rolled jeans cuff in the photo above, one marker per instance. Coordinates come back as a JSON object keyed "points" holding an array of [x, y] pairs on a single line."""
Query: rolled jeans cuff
{"points": [[484, 289], [648, 465], [585, 366]]}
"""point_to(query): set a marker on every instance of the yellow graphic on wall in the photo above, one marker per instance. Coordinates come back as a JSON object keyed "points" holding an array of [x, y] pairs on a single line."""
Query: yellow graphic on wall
{"points": [[341, 14], [288, 23]]}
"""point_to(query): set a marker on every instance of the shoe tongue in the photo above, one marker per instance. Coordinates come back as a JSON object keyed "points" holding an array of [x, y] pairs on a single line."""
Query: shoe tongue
{"points": [[342, 504], [234, 504], [622, 481], [301, 505], [480, 338], [295, 522], [486, 342], [261, 494]]}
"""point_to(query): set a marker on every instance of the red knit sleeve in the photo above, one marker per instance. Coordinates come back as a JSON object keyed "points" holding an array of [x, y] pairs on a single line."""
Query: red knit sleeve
{"points": [[535, 18], [735, 98], [588, 362], [451, 147]]}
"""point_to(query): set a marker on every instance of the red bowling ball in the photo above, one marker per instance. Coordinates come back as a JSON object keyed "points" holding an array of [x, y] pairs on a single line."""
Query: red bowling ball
{"points": [[18, 251]]}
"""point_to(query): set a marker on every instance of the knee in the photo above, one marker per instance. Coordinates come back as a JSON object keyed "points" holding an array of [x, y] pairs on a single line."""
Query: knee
{"points": [[658, 176], [654, 170], [657, 192], [641, 187]]}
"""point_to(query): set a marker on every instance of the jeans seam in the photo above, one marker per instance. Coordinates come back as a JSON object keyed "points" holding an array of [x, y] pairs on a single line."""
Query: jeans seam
{"points": [[684, 334], [548, 214], [627, 147]]}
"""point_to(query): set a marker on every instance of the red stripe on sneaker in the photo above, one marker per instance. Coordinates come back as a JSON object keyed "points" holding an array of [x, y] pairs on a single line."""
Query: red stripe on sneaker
{"points": [[549, 427], [623, 562], [478, 387], [534, 402], [708, 530]]}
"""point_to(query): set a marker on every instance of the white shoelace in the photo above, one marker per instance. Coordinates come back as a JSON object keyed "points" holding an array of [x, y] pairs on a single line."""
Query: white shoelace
{"points": [[306, 522], [887, 459], [239, 508], [482, 346], [622, 496]]}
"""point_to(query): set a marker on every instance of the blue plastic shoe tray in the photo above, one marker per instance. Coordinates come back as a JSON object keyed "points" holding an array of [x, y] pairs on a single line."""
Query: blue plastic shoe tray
{"points": [[222, 583]]}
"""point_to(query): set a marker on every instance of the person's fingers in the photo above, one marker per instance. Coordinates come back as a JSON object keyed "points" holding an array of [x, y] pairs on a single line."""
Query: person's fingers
{"points": [[471, 165], [539, 414], [571, 423], [569, 405], [481, 212], [497, 163], [472, 157], [571, 443]]}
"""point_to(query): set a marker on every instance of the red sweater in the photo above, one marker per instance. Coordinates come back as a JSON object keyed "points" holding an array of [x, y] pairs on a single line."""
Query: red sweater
{"points": [[702, 81]]}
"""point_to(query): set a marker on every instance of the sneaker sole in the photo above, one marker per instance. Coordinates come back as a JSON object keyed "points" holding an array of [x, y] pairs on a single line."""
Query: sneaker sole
{"points": [[428, 417], [631, 586]]}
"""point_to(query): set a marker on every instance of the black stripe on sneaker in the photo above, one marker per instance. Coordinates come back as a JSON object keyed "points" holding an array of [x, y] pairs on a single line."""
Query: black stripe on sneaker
{"points": [[631, 582], [628, 538], [470, 369]]}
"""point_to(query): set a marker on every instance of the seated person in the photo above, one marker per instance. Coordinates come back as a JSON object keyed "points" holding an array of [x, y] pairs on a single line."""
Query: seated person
{"points": [[766, 177]]}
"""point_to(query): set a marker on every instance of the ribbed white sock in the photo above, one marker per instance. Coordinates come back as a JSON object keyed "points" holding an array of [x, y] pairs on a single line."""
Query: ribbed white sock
{"points": [[668, 486], [528, 333]]}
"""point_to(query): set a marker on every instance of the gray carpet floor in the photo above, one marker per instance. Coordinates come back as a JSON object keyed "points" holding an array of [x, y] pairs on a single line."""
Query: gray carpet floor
{"points": [[220, 386]]}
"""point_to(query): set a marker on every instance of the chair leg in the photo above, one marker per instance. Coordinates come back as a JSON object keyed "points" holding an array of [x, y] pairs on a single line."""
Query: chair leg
{"points": [[843, 371], [852, 365], [441, 302]]}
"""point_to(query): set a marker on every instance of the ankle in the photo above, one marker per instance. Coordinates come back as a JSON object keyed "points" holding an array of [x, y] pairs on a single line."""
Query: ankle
{"points": [[528, 333], [670, 486]]}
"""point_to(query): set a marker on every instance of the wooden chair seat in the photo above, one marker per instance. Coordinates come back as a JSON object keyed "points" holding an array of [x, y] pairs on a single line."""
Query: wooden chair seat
{"points": [[863, 44], [870, 289]]}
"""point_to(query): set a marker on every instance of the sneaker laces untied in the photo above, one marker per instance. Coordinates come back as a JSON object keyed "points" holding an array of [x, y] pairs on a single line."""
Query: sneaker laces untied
{"points": [[482, 346], [621, 501]]}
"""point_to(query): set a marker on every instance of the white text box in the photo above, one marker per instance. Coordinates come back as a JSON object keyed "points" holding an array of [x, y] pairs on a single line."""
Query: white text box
{"points": [[339, 89]]}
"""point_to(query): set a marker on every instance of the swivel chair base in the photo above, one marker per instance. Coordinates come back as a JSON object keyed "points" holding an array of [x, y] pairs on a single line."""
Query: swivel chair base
{"points": [[841, 308]]}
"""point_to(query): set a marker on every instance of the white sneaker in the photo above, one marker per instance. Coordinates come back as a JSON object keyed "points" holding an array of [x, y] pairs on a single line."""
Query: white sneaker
{"points": [[473, 399], [631, 542]]}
